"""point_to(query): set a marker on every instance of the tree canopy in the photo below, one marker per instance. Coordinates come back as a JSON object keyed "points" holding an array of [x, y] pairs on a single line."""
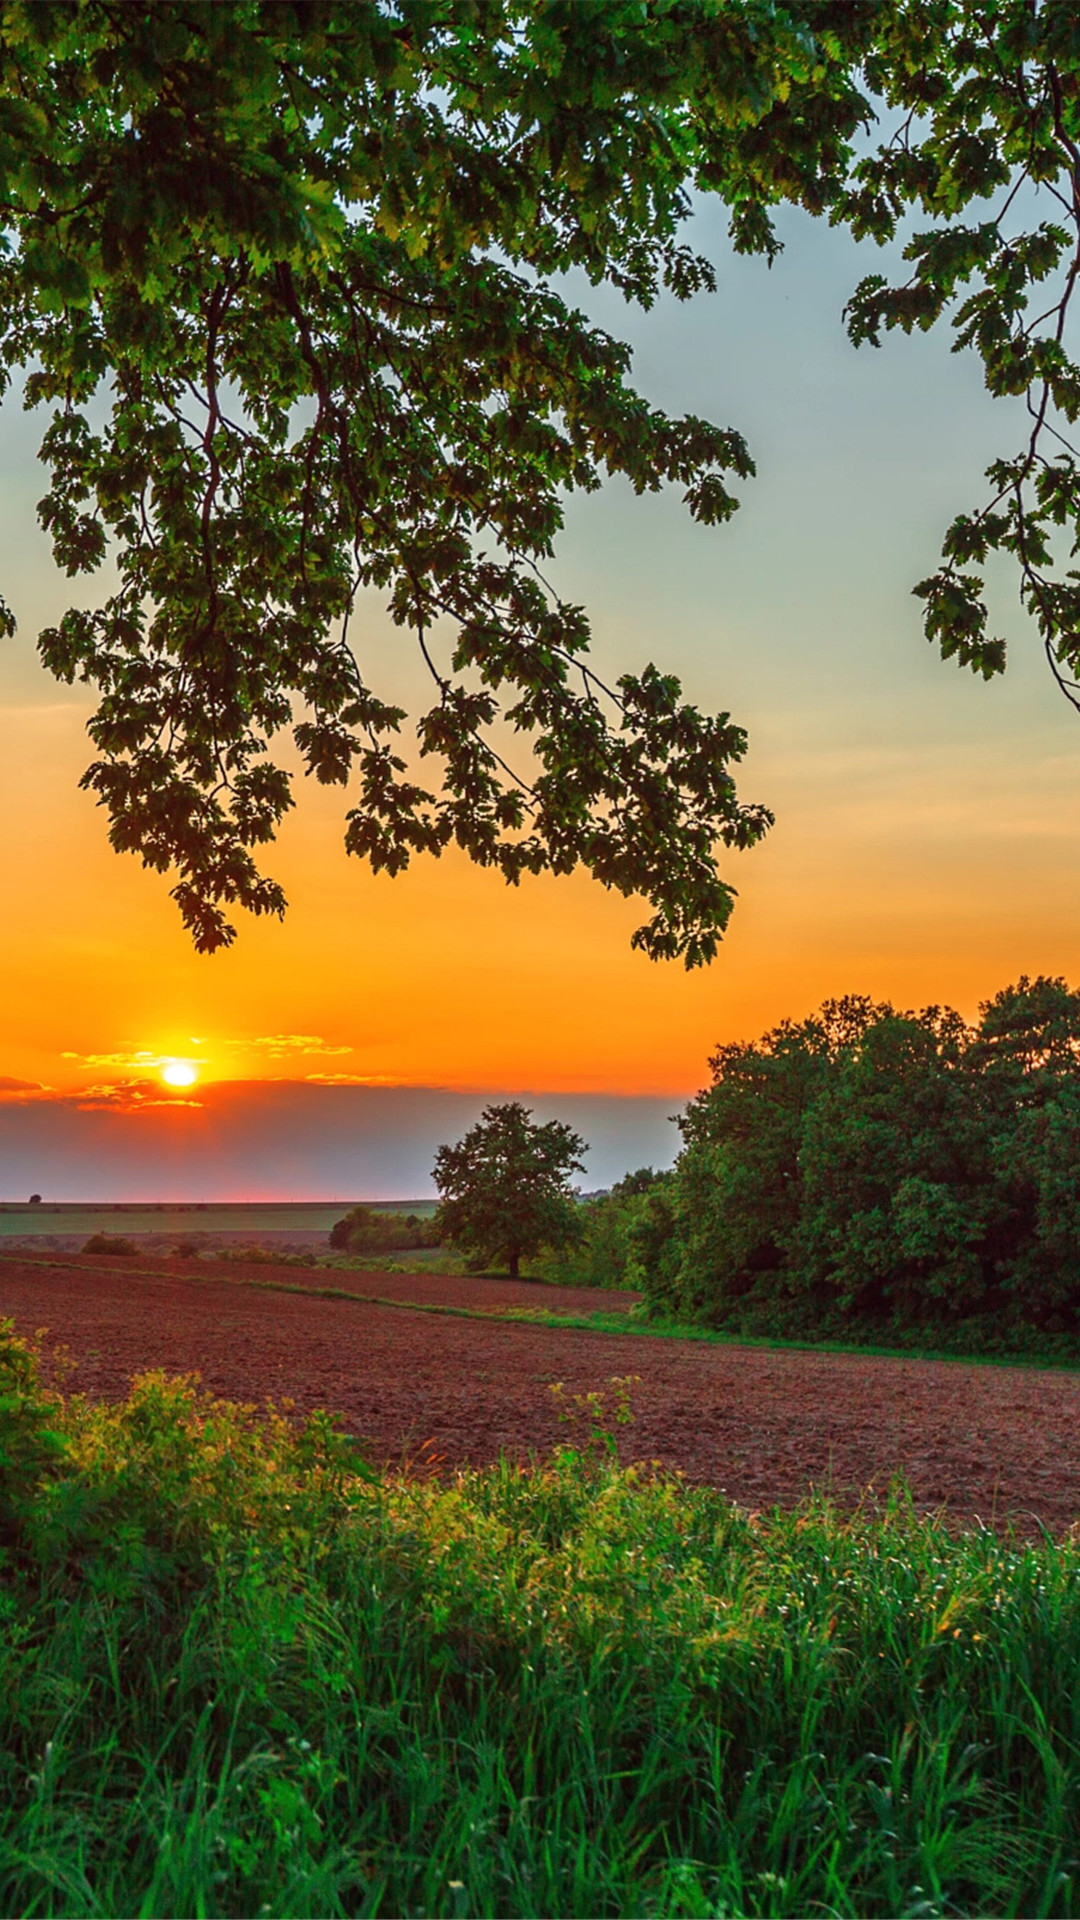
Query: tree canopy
{"points": [[869, 1167], [504, 1189], [288, 276]]}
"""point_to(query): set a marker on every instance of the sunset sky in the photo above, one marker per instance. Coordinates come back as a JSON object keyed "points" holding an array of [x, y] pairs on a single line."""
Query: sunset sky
{"points": [[926, 822]]}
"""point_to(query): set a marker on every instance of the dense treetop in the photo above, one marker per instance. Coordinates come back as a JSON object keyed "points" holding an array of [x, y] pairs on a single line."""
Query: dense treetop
{"points": [[875, 1168], [288, 281]]}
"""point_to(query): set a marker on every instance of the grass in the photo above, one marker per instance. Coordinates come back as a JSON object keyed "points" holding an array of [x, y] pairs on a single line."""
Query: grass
{"points": [[240, 1673]]}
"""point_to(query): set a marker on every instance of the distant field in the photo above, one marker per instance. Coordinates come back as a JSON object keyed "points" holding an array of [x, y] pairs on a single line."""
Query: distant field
{"points": [[241, 1217]]}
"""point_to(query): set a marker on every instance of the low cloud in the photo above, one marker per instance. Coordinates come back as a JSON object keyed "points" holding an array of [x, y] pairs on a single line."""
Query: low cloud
{"points": [[123, 1059], [128, 1062], [14, 1089], [350, 1079], [125, 1096], [282, 1046]]}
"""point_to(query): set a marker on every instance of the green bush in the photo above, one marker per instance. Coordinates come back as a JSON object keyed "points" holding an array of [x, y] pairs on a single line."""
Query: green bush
{"points": [[30, 1445], [606, 1254], [366, 1230], [117, 1244], [259, 1256]]}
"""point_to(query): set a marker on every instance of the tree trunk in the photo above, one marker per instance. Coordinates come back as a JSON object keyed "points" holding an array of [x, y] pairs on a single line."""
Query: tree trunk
{"points": [[513, 1263]]}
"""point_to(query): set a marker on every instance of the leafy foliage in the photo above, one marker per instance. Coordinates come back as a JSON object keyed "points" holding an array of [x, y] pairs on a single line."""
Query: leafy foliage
{"points": [[290, 282], [30, 1445], [304, 259], [868, 1168], [605, 1254], [504, 1189], [254, 1254], [990, 112]]}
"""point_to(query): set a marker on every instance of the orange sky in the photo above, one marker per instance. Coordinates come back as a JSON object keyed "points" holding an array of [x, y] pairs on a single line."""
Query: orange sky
{"points": [[938, 876], [925, 847]]}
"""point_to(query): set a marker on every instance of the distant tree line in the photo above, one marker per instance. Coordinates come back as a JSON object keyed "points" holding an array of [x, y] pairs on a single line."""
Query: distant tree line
{"points": [[884, 1174]]}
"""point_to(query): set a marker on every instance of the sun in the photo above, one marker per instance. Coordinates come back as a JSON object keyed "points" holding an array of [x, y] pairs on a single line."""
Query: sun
{"points": [[179, 1073]]}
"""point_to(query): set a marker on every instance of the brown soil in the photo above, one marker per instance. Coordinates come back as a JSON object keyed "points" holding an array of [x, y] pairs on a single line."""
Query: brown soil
{"points": [[994, 1442]]}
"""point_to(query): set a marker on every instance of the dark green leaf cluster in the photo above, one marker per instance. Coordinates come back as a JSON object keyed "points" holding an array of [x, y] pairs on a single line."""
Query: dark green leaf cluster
{"points": [[874, 1168], [504, 1189]]}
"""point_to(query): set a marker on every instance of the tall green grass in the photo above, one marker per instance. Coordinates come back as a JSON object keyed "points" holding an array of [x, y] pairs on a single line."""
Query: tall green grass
{"points": [[241, 1673]]}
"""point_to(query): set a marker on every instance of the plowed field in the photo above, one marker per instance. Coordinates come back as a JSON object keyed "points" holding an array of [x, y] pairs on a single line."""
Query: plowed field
{"points": [[995, 1442]]}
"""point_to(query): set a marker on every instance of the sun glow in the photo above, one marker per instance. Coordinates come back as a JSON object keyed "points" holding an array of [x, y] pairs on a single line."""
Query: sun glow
{"points": [[179, 1073]]}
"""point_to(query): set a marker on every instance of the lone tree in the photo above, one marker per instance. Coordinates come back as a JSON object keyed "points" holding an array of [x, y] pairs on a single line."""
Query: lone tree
{"points": [[505, 1189], [290, 277]]}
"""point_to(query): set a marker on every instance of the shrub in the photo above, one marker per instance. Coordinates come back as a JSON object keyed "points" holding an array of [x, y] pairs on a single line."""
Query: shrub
{"points": [[259, 1256], [117, 1244], [606, 1254], [30, 1445], [366, 1230]]}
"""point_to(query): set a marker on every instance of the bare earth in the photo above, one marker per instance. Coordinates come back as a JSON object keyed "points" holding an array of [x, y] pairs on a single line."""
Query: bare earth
{"points": [[994, 1442]]}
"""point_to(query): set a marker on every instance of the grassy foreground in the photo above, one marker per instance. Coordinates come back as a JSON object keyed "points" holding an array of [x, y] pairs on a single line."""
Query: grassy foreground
{"points": [[240, 1673]]}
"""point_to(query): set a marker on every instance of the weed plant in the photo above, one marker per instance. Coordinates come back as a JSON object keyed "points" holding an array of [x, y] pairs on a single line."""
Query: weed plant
{"points": [[242, 1672], [423, 1260], [256, 1255]]}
